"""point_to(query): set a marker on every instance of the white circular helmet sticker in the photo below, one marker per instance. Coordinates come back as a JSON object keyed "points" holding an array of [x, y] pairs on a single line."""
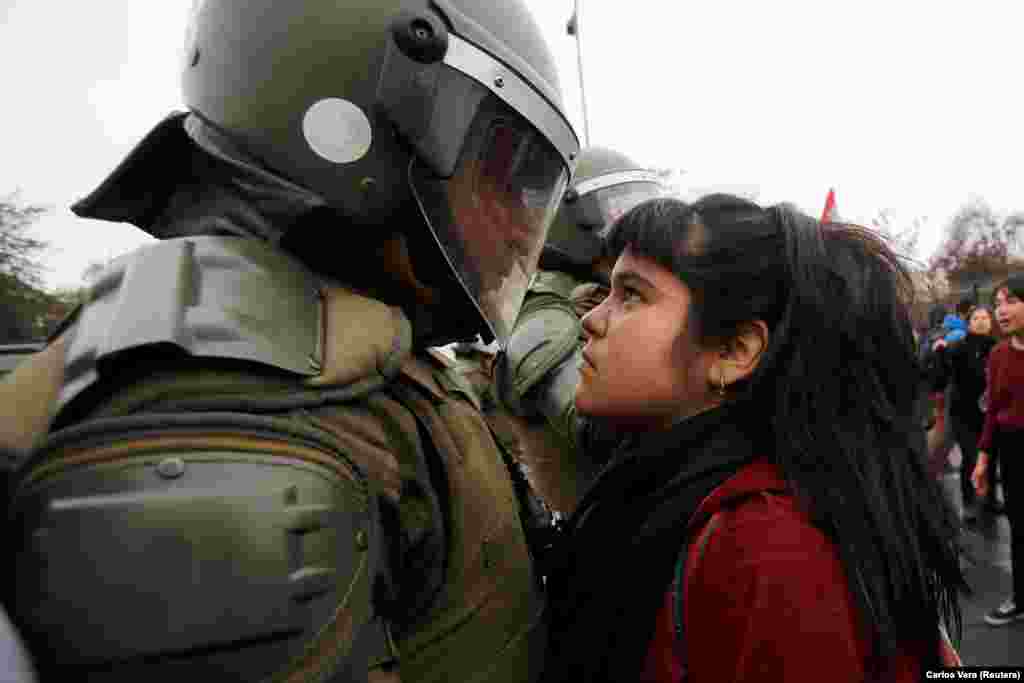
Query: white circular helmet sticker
{"points": [[337, 130]]}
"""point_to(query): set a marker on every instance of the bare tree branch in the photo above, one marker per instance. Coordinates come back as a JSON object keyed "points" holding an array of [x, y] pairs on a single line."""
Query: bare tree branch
{"points": [[905, 240], [19, 251]]}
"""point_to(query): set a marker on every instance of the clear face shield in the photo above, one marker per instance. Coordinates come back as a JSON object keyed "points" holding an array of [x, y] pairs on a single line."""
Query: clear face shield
{"points": [[491, 217], [491, 161], [599, 208], [577, 237]]}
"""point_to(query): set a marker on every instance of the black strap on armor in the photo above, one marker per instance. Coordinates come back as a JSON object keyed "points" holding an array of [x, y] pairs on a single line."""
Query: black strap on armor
{"points": [[542, 526]]}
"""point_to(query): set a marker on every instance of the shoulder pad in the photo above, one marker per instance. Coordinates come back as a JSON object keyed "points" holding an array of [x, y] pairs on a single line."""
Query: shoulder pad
{"points": [[143, 505], [214, 297], [542, 339]]}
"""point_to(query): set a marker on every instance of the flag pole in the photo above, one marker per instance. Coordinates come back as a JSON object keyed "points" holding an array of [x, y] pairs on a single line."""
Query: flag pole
{"points": [[573, 29]]}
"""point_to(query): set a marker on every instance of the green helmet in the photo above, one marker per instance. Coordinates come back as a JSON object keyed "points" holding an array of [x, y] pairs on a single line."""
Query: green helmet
{"points": [[607, 184], [375, 104]]}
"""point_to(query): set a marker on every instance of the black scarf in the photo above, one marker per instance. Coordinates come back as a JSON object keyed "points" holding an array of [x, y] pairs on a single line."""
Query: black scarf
{"points": [[624, 538]]}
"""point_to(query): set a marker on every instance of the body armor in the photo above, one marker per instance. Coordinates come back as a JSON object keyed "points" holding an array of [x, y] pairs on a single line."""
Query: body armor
{"points": [[227, 508], [251, 475]]}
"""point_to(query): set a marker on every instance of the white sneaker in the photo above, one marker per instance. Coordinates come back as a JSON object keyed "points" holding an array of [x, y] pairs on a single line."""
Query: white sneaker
{"points": [[1004, 614]]}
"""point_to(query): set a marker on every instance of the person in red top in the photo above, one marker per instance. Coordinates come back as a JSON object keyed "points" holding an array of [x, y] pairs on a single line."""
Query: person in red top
{"points": [[768, 515], [1004, 434]]}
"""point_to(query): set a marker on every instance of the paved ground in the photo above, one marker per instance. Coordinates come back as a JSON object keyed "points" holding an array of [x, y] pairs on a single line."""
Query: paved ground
{"points": [[987, 568]]}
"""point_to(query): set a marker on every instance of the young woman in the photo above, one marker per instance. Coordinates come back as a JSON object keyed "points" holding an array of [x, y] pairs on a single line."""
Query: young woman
{"points": [[769, 516], [963, 365], [1004, 434]]}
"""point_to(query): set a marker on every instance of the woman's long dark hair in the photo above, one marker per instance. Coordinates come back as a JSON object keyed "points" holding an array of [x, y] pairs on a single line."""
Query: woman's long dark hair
{"points": [[839, 383]]}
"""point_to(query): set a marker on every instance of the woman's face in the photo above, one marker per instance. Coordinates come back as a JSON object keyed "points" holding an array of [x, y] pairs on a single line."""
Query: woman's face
{"points": [[981, 322], [641, 366], [1009, 312]]}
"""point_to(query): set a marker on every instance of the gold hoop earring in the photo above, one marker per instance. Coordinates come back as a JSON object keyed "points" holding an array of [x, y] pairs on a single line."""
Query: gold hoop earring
{"points": [[721, 384]]}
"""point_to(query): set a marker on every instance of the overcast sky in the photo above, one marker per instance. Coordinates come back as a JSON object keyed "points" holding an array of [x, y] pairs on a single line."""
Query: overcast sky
{"points": [[908, 106]]}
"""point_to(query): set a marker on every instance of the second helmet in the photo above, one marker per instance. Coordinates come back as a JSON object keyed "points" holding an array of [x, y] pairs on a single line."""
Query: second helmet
{"points": [[607, 184]]}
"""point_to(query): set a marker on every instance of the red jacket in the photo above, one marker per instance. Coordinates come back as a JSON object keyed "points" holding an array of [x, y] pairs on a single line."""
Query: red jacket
{"points": [[767, 600], [1005, 408]]}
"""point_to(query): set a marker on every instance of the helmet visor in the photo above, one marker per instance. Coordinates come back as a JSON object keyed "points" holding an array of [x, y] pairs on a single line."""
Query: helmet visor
{"points": [[598, 210], [491, 217]]}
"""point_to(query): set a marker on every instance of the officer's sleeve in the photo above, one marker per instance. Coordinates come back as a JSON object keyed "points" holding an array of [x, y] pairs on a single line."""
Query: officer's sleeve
{"points": [[555, 397], [28, 397], [538, 358]]}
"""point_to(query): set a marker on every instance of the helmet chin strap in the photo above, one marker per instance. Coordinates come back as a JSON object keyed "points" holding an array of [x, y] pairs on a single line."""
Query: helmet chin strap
{"points": [[395, 259], [389, 276]]}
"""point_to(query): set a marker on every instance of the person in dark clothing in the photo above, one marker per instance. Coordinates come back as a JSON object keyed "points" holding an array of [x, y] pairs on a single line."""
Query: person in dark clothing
{"points": [[932, 333], [773, 388], [963, 364], [930, 396], [940, 432]]}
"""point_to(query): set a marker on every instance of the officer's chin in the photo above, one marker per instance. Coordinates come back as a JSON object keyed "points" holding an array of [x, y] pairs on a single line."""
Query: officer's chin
{"points": [[401, 278]]}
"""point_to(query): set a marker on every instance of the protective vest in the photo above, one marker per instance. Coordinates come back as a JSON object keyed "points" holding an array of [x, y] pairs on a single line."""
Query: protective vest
{"points": [[251, 476]]}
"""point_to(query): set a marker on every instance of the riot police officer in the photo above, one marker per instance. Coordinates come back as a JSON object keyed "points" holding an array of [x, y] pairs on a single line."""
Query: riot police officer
{"points": [[535, 378], [255, 470]]}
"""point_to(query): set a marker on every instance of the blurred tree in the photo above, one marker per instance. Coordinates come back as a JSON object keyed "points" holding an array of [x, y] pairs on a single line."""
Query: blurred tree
{"points": [[980, 246], [930, 286], [904, 239], [22, 311], [23, 304], [19, 251]]}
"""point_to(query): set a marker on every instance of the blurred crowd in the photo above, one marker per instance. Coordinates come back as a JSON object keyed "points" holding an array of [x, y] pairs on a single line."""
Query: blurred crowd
{"points": [[972, 364]]}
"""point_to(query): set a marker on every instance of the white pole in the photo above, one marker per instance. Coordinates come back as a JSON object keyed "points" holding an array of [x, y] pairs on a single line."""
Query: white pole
{"points": [[574, 30]]}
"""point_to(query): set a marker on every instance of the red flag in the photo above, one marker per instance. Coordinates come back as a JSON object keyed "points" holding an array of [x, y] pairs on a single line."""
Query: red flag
{"points": [[830, 215]]}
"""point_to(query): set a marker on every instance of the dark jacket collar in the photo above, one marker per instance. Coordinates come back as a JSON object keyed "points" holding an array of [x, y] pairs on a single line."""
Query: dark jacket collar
{"points": [[626, 535]]}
